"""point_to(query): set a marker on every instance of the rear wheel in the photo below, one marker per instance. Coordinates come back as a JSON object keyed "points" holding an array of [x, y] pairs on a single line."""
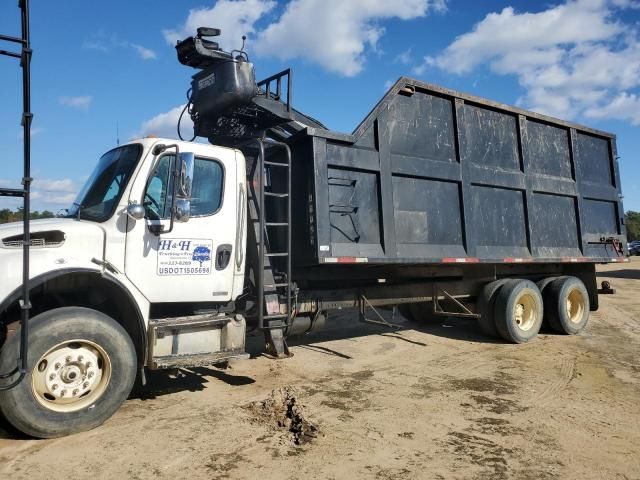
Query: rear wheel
{"points": [[486, 304], [82, 366], [518, 311], [544, 290], [567, 305]]}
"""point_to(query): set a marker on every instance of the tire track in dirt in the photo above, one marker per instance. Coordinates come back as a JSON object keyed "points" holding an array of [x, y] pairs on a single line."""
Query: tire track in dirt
{"points": [[551, 392]]}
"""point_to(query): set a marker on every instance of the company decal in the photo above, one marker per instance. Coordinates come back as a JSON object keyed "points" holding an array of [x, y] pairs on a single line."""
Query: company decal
{"points": [[184, 256]]}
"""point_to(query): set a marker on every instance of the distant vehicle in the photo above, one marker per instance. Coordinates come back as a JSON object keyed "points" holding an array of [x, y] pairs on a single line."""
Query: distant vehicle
{"points": [[634, 247]]}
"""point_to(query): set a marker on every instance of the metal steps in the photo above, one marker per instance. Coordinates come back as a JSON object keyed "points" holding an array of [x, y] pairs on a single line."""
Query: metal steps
{"points": [[197, 359]]}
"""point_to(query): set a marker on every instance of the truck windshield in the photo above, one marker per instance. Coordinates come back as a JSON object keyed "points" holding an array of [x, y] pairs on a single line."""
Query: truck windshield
{"points": [[101, 193]]}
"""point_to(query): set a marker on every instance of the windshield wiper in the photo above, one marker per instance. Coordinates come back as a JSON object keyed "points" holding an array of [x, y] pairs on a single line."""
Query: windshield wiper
{"points": [[80, 207]]}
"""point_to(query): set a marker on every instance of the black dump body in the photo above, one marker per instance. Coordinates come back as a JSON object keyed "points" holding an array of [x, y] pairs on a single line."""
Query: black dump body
{"points": [[430, 176]]}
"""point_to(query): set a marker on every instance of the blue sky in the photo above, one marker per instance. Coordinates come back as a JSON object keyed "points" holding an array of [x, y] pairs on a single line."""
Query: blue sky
{"points": [[98, 65]]}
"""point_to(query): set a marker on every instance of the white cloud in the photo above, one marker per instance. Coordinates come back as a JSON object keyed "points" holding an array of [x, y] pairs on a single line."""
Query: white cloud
{"points": [[336, 33], [144, 53], [34, 131], [96, 45], [54, 192], [104, 43], [47, 193], [82, 102], [234, 18], [404, 58], [165, 125], [623, 107], [569, 58]]}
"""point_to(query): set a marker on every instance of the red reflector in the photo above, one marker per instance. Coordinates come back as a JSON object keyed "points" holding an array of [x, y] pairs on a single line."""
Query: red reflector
{"points": [[346, 259]]}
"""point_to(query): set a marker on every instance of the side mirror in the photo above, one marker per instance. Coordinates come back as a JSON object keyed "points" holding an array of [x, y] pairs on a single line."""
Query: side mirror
{"points": [[184, 182], [135, 211]]}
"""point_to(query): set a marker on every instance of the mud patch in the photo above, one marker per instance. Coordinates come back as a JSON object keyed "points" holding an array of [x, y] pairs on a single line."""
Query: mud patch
{"points": [[487, 454], [222, 464], [498, 405], [352, 394], [282, 411], [500, 386], [494, 426]]}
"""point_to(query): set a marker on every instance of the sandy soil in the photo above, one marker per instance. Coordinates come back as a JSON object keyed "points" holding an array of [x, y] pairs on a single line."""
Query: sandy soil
{"points": [[425, 402]]}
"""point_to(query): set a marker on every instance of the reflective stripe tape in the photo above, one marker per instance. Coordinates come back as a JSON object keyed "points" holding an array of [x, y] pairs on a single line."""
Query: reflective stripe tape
{"points": [[516, 260], [460, 260], [346, 260]]}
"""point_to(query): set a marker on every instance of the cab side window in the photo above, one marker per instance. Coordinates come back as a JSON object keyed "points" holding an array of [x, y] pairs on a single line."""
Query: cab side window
{"points": [[207, 187], [206, 191]]}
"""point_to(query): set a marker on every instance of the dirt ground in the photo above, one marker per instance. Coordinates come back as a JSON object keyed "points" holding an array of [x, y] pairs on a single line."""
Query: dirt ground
{"points": [[438, 402]]}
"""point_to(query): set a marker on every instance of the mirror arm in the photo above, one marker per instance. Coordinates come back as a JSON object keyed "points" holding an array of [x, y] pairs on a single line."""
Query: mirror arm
{"points": [[159, 229]]}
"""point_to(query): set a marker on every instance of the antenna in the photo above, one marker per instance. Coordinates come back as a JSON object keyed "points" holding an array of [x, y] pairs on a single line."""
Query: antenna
{"points": [[117, 134]]}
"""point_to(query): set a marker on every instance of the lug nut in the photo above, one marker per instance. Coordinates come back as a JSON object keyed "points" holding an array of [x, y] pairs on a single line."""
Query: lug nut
{"points": [[88, 364], [85, 385], [68, 358], [80, 358], [52, 376], [57, 366], [54, 386], [75, 391], [63, 393], [90, 374]]}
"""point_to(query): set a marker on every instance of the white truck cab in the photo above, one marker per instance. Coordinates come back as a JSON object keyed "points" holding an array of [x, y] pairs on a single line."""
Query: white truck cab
{"points": [[157, 269], [200, 260]]}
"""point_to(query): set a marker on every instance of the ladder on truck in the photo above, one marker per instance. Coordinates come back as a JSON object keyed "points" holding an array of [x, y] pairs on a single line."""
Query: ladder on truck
{"points": [[273, 285], [24, 55]]}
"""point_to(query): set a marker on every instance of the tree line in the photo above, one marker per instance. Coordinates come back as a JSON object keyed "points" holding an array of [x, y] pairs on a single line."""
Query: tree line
{"points": [[7, 215], [632, 221]]}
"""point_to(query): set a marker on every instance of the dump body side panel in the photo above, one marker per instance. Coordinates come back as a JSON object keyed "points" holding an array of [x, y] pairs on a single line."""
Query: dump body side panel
{"points": [[433, 176]]}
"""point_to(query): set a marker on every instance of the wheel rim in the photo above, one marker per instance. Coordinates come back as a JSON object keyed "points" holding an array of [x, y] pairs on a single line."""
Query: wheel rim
{"points": [[71, 376], [575, 305], [525, 312]]}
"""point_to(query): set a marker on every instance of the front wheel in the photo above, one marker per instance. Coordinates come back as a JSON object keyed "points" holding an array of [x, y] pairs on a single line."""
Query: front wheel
{"points": [[82, 366]]}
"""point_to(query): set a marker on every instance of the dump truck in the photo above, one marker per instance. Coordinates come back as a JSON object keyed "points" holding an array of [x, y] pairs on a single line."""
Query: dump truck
{"points": [[440, 203]]}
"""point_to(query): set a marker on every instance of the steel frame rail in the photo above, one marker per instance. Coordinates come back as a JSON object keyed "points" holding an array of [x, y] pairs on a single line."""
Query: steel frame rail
{"points": [[27, 117]]}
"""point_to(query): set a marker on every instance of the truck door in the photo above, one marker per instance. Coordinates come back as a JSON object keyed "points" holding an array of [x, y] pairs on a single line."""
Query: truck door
{"points": [[194, 261]]}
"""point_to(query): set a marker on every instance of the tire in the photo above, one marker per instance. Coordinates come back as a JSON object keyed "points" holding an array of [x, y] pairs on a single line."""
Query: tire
{"points": [[567, 305], [518, 311], [544, 283], [84, 353], [485, 307], [542, 286]]}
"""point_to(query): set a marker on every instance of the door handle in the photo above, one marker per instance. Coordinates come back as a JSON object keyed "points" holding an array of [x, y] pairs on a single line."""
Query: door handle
{"points": [[223, 255]]}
